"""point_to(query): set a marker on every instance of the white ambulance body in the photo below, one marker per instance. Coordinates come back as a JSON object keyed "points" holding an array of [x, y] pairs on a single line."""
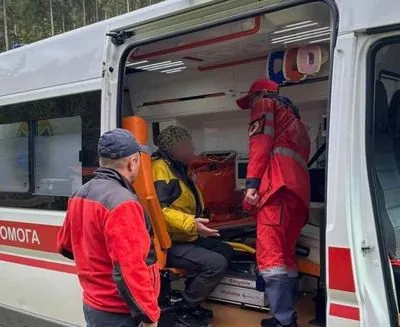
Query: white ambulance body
{"points": [[186, 62]]}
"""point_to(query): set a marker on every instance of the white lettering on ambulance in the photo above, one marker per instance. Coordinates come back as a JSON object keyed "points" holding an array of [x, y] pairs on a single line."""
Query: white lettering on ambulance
{"points": [[3, 232], [12, 233], [35, 238], [22, 235]]}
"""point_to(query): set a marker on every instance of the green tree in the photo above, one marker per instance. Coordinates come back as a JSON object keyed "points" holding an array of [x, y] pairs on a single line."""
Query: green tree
{"points": [[27, 21]]}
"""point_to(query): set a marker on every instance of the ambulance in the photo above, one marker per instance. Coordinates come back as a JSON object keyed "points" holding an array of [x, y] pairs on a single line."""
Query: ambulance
{"points": [[186, 62]]}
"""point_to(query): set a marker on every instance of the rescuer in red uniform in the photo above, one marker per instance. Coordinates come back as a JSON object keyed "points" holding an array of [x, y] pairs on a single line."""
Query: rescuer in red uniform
{"points": [[278, 187], [109, 236]]}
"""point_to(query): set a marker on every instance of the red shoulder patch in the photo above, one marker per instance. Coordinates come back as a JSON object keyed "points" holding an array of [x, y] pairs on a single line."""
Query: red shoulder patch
{"points": [[257, 126]]}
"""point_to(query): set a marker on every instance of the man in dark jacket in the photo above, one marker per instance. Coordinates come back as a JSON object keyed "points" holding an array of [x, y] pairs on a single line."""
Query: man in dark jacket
{"points": [[109, 236]]}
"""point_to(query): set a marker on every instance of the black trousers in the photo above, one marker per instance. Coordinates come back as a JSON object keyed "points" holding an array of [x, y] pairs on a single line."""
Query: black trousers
{"points": [[208, 259], [97, 318]]}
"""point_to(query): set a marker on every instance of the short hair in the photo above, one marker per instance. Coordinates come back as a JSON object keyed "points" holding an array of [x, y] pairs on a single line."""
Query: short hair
{"points": [[115, 163]]}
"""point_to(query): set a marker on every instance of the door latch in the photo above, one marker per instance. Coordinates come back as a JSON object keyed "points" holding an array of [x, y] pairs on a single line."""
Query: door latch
{"points": [[365, 248], [118, 38]]}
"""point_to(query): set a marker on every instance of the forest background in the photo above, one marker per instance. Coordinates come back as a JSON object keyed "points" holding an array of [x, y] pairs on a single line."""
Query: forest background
{"points": [[27, 21]]}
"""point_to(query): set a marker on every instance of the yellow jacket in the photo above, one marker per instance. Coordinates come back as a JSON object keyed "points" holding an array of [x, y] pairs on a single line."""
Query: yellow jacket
{"points": [[179, 197]]}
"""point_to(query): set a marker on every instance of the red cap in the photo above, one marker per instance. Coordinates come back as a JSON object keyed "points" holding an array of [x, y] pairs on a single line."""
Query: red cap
{"points": [[257, 86]]}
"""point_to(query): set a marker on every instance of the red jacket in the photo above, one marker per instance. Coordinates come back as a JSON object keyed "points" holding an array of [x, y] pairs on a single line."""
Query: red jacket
{"points": [[109, 237], [279, 150]]}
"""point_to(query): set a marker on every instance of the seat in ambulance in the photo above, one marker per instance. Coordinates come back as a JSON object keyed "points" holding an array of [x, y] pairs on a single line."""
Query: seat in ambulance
{"points": [[146, 193], [386, 165]]}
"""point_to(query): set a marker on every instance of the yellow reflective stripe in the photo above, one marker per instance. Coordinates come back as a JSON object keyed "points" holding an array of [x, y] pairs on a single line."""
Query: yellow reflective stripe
{"points": [[290, 153]]}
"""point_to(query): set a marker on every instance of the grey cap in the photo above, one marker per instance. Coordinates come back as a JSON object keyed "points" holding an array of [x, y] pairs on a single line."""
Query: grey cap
{"points": [[118, 143]]}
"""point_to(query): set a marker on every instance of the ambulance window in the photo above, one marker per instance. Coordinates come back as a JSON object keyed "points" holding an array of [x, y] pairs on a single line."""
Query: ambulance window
{"points": [[47, 149], [383, 144], [58, 143], [14, 163]]}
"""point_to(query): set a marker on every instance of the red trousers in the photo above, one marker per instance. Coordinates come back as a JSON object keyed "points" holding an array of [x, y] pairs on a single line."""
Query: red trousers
{"points": [[279, 224]]}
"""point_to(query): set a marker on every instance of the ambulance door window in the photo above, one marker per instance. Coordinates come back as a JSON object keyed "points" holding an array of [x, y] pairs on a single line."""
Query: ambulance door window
{"points": [[383, 143], [386, 145]]}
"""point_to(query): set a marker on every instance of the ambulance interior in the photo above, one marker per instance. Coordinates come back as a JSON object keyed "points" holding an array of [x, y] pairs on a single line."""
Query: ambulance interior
{"points": [[193, 80]]}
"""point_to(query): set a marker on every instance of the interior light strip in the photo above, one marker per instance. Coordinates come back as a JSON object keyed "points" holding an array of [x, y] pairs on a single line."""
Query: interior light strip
{"points": [[176, 70], [137, 63], [307, 37], [156, 64], [321, 40], [283, 38], [294, 28], [166, 66], [323, 32], [299, 23]]}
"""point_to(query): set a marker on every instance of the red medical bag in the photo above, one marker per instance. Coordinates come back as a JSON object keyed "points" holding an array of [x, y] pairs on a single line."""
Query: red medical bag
{"points": [[214, 174]]}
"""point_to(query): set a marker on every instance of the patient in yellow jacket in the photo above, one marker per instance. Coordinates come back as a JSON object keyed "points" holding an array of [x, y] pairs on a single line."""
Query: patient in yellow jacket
{"points": [[196, 247]]}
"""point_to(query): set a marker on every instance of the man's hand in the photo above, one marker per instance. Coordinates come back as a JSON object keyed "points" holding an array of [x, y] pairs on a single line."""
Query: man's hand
{"points": [[252, 196], [203, 230], [145, 324]]}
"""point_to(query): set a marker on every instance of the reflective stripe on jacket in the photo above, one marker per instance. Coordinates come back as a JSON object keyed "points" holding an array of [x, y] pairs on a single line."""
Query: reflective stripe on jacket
{"points": [[179, 197], [279, 150]]}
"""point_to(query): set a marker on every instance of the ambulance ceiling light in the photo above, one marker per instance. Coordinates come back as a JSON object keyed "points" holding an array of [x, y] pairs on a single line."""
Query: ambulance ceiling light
{"points": [[293, 36], [169, 65], [163, 66], [296, 26], [154, 64], [320, 40], [130, 64], [304, 22], [307, 37], [173, 70]]}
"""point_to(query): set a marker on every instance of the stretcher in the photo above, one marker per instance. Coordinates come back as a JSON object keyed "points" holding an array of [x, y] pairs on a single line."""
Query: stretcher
{"points": [[242, 229], [239, 286]]}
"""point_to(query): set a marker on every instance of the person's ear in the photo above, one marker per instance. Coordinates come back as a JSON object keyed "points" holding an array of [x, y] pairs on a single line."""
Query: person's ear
{"points": [[133, 162], [130, 164]]}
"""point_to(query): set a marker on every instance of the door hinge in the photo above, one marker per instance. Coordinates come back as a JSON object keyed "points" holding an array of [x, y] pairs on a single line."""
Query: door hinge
{"points": [[118, 38], [365, 248]]}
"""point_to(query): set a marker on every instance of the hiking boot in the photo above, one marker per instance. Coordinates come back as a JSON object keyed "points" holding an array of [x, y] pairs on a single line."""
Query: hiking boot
{"points": [[188, 320]]}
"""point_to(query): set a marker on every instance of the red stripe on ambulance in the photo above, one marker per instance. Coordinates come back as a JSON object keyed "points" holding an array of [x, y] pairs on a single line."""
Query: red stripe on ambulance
{"points": [[341, 276], [34, 237], [341, 281], [29, 236], [344, 311], [44, 238], [37, 263]]}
